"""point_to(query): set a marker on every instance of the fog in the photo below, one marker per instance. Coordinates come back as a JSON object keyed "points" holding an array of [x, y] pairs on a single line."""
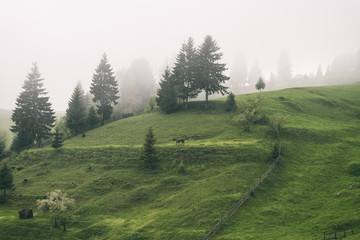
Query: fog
{"points": [[68, 38]]}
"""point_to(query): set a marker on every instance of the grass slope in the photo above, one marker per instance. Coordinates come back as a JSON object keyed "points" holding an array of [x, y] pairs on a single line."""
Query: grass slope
{"points": [[308, 192], [116, 199], [315, 187]]}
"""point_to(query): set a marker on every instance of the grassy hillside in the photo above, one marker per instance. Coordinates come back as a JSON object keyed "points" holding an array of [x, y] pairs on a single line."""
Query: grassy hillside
{"points": [[116, 199], [315, 187], [308, 192]]}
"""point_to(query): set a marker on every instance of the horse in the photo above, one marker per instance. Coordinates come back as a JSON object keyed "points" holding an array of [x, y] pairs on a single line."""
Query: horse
{"points": [[179, 140]]}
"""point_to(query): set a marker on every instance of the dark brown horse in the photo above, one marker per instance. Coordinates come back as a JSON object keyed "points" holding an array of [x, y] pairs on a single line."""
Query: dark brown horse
{"points": [[179, 140]]}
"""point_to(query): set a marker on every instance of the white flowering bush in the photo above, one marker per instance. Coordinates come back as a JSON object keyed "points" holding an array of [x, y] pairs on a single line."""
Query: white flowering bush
{"points": [[58, 205]]}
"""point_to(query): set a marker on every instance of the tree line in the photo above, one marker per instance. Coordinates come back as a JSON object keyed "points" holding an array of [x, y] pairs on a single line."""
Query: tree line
{"points": [[34, 117], [196, 69]]}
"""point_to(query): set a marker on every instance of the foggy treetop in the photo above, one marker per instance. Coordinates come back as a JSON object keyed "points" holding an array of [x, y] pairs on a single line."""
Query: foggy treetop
{"points": [[67, 38]]}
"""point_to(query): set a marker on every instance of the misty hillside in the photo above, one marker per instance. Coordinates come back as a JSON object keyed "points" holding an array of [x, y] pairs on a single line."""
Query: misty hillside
{"points": [[312, 190]]}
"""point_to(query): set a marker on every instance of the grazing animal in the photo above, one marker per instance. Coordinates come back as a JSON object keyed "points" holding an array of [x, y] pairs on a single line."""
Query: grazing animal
{"points": [[179, 140]]}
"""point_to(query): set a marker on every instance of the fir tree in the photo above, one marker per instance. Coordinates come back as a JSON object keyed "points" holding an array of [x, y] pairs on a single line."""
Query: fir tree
{"points": [[260, 84], [76, 112], [33, 115], [149, 154], [185, 72], [230, 104], [6, 179], [211, 71], [57, 141], [166, 94], [93, 118], [104, 88]]}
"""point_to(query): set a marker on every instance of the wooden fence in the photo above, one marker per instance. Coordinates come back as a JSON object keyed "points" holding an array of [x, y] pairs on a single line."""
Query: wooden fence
{"points": [[242, 200], [338, 235]]}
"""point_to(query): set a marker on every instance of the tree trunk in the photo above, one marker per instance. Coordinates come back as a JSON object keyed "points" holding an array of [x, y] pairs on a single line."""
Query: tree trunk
{"points": [[186, 103], [4, 194], [64, 224], [206, 99]]}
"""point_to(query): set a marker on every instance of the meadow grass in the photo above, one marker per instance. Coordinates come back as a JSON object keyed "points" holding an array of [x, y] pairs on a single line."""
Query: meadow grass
{"points": [[310, 192], [306, 194]]}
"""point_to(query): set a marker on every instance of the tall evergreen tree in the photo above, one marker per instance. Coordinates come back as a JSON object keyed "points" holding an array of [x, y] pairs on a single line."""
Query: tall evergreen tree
{"points": [[6, 179], [92, 118], [166, 94], [185, 72], [211, 71], [33, 115], [137, 84], [104, 88], [76, 111]]}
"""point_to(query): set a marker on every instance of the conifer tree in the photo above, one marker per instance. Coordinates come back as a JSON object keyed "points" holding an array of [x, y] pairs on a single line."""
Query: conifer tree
{"points": [[185, 72], [76, 111], [149, 154], [93, 118], [211, 71], [104, 88], [260, 84], [33, 115], [166, 94], [6, 179], [230, 103], [57, 141]]}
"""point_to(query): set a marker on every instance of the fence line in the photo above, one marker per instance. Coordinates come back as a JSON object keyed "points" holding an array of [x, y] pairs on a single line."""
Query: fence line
{"points": [[339, 235], [242, 199]]}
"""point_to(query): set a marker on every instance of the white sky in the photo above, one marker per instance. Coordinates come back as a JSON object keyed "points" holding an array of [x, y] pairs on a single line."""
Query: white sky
{"points": [[67, 37]]}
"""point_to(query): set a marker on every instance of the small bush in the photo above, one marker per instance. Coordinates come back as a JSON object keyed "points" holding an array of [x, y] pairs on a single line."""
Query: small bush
{"points": [[353, 168], [230, 104]]}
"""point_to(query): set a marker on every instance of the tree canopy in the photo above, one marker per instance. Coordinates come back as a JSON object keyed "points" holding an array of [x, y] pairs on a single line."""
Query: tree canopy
{"points": [[149, 156], [33, 116], [211, 75], [260, 84], [166, 94], [185, 72], [76, 112], [104, 88]]}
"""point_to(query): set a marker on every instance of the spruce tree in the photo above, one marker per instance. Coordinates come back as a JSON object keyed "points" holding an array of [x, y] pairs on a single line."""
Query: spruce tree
{"points": [[166, 95], [210, 70], [57, 141], [33, 115], [149, 155], [93, 118], [76, 112], [104, 88], [185, 72], [6, 179], [230, 104], [260, 84]]}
